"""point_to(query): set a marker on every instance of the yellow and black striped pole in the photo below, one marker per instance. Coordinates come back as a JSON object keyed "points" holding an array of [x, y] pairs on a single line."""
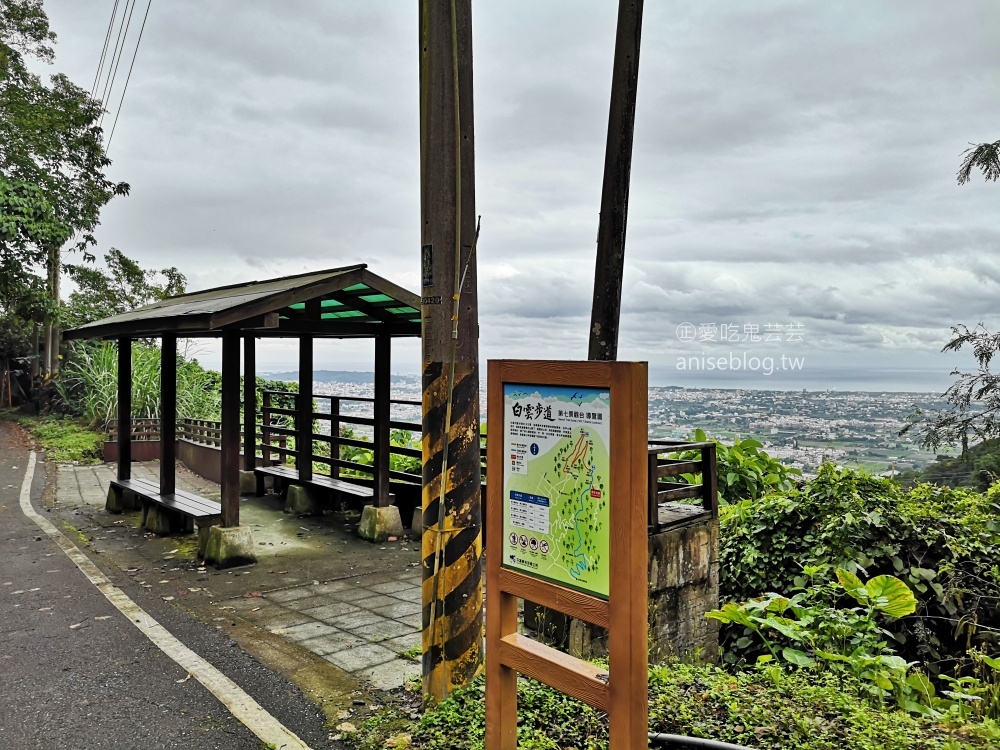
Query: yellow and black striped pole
{"points": [[452, 504]]}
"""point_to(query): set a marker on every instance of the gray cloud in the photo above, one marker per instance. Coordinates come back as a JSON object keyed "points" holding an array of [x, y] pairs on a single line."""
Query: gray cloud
{"points": [[794, 161]]}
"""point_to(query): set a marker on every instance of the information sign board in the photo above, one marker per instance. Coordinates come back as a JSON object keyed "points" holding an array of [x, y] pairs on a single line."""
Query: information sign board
{"points": [[567, 493], [556, 485]]}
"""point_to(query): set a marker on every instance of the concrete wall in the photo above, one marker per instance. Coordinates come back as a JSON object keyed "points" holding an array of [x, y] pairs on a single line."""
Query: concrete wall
{"points": [[204, 460], [683, 587], [142, 450]]}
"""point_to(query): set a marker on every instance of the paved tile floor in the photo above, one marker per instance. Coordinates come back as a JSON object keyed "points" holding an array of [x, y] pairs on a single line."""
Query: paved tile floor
{"points": [[367, 625]]}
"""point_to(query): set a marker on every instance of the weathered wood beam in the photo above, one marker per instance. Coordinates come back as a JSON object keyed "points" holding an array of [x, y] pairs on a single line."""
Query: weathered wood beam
{"points": [[231, 429], [304, 410], [168, 414], [383, 350], [124, 408], [249, 402]]}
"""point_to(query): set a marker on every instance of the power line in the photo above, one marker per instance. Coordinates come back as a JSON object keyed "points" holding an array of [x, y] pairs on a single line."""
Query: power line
{"points": [[129, 76], [117, 56], [104, 50]]}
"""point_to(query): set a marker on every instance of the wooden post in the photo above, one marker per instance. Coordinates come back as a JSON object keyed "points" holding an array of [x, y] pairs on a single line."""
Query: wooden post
{"points": [[606, 311], [230, 429], [249, 403], [335, 435], [265, 433], [628, 651], [304, 410], [124, 408], [452, 529], [383, 344], [168, 413]]}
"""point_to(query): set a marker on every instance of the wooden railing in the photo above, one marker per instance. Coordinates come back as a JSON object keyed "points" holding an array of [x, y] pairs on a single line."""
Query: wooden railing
{"points": [[664, 465], [279, 422], [144, 429], [209, 432]]}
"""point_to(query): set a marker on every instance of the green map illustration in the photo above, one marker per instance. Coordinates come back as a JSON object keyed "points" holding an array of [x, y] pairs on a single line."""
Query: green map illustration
{"points": [[572, 475]]}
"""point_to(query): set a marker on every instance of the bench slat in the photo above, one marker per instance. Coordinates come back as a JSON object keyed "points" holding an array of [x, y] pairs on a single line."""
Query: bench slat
{"points": [[183, 502], [286, 472]]}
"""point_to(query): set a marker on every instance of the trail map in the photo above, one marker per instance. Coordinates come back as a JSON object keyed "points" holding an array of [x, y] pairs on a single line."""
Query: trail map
{"points": [[556, 488]]}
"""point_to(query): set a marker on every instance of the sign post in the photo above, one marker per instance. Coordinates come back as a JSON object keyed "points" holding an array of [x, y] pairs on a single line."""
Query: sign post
{"points": [[567, 507]]}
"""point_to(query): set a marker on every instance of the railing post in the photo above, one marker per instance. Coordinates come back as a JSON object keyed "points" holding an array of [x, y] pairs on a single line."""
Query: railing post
{"points": [[710, 479], [653, 482], [265, 434], [335, 435]]}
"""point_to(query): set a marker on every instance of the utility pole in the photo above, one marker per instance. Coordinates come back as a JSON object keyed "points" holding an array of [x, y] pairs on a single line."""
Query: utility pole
{"points": [[451, 503], [606, 311]]}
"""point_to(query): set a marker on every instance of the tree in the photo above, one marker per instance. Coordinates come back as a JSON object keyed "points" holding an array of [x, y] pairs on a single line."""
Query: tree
{"points": [[122, 287], [973, 400], [50, 146], [982, 156], [27, 226]]}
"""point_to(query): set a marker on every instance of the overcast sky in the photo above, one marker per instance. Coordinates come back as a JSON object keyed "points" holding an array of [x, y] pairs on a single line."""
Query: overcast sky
{"points": [[794, 166]]}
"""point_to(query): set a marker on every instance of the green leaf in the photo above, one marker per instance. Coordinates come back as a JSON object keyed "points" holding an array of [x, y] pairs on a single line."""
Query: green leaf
{"points": [[991, 661], [851, 583], [830, 656], [731, 612], [922, 683], [798, 658], [788, 628], [891, 596]]}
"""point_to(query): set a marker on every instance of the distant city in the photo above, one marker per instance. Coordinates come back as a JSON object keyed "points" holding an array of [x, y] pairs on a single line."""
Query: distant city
{"points": [[802, 428]]}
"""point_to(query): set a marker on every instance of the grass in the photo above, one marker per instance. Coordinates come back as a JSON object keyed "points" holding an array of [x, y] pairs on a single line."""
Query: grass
{"points": [[62, 438], [412, 653], [768, 709]]}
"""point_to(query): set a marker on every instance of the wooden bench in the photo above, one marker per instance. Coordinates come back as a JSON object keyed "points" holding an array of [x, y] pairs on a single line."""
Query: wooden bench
{"points": [[184, 509], [291, 475]]}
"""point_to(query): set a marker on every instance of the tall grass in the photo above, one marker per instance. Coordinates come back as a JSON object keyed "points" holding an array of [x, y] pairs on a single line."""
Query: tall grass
{"points": [[89, 385]]}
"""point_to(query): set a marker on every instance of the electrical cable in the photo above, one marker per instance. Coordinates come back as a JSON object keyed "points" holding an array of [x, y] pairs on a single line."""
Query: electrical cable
{"points": [[676, 740], [104, 50], [129, 77], [114, 52], [109, 82]]}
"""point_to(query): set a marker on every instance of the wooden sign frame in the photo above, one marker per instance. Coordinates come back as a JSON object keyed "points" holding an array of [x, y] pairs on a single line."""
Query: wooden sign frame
{"points": [[621, 690]]}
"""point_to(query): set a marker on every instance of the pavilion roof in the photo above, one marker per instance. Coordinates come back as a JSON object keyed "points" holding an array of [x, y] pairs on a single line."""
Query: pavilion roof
{"points": [[346, 302]]}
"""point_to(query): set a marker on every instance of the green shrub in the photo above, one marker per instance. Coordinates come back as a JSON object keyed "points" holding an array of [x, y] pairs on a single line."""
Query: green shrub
{"points": [[767, 709], [65, 439], [745, 472], [89, 384], [944, 543]]}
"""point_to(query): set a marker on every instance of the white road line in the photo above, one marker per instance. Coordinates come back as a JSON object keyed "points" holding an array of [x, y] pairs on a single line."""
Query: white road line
{"points": [[242, 706]]}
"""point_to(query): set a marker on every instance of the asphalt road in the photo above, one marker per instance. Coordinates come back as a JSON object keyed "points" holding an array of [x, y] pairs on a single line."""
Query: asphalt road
{"points": [[75, 674]]}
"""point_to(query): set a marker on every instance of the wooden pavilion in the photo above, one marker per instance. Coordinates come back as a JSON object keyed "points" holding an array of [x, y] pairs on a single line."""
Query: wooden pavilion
{"points": [[348, 302]]}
